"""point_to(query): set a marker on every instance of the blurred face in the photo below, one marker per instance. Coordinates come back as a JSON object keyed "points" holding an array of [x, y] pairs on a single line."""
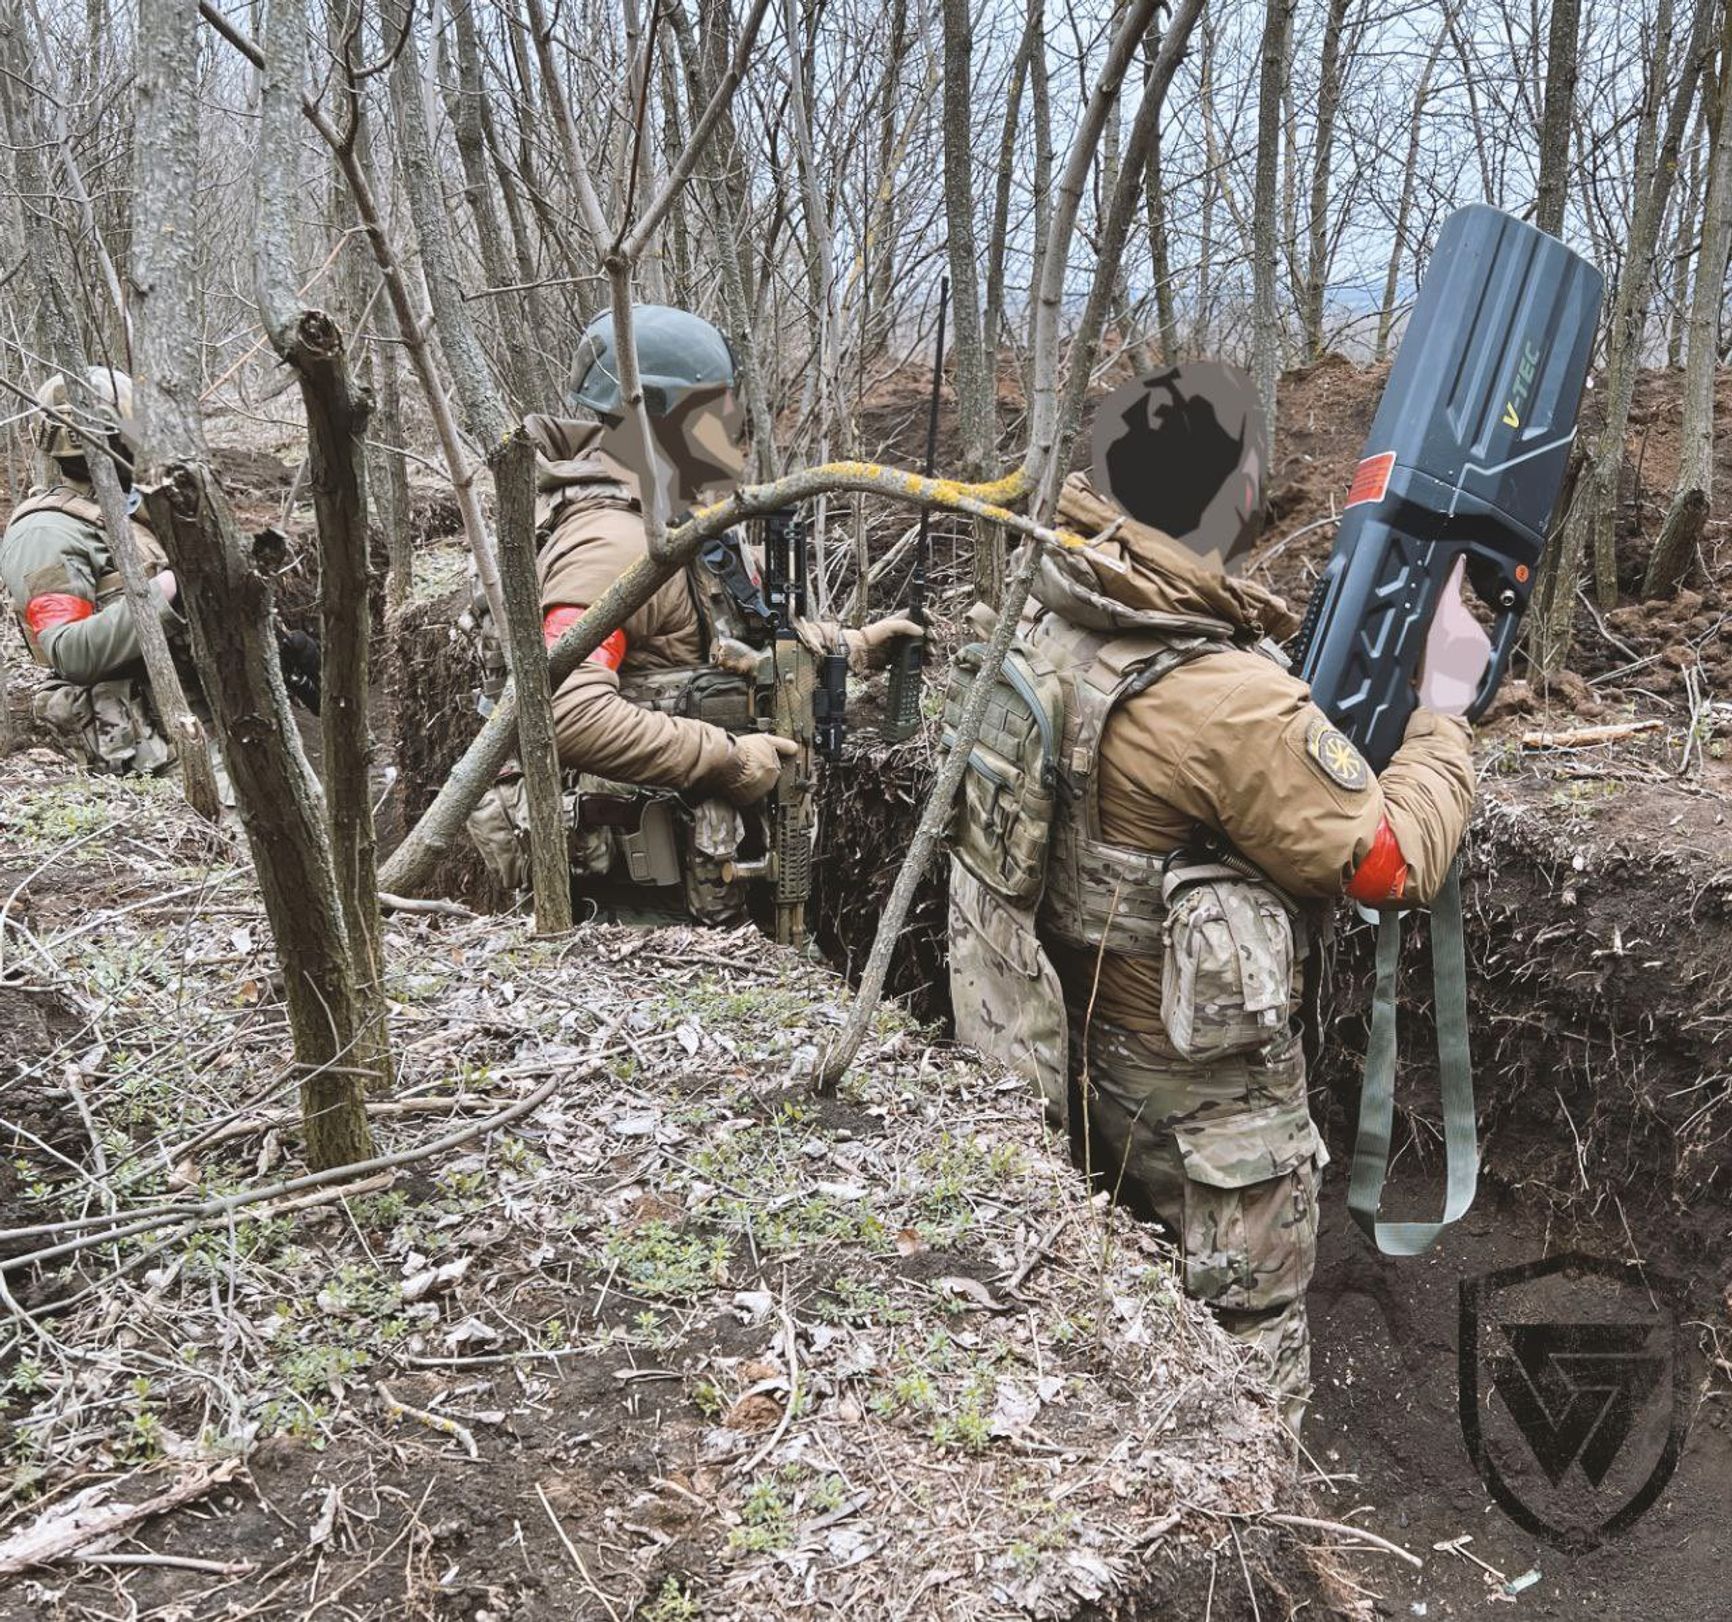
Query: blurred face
{"points": [[1182, 451], [700, 448]]}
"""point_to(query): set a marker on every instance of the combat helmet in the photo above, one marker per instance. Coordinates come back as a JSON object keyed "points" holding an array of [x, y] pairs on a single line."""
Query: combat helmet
{"points": [[107, 410], [677, 353]]}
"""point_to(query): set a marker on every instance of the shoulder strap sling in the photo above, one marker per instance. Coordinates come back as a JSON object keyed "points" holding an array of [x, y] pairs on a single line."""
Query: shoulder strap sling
{"points": [[1455, 1074]]}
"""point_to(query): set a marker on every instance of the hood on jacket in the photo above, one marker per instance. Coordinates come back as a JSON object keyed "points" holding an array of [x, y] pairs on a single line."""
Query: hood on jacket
{"points": [[1137, 574]]}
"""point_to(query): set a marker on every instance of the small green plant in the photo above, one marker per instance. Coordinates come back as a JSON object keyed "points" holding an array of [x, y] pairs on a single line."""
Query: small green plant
{"points": [[655, 1259], [674, 1602], [709, 1398]]}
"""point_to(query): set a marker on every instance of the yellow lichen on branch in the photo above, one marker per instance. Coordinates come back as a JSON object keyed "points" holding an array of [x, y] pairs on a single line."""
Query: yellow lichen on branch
{"points": [[987, 500]]}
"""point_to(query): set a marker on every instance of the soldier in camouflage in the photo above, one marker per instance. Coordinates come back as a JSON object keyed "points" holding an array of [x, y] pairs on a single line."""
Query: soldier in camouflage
{"points": [[657, 739], [67, 594], [1205, 813]]}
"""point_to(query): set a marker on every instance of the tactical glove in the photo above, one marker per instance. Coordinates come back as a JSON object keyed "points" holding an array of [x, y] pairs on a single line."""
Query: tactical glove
{"points": [[754, 766], [869, 648], [299, 656]]}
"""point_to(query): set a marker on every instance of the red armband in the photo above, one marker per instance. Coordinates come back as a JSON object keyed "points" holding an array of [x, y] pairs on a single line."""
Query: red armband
{"points": [[54, 609], [1381, 878], [557, 621]]}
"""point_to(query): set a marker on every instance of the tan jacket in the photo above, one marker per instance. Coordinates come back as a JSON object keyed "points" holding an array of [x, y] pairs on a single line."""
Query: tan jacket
{"points": [[588, 506], [1233, 742]]}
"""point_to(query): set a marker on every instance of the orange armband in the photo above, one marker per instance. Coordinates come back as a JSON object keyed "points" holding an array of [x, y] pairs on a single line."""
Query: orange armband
{"points": [[54, 609], [1381, 879], [557, 621]]}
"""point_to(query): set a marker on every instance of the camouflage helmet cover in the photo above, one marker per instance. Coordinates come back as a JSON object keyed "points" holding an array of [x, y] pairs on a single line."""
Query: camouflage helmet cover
{"points": [[1184, 449], [107, 411], [677, 352]]}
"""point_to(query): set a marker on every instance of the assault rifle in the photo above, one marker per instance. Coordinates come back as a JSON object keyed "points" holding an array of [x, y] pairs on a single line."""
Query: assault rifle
{"points": [[907, 661], [807, 701], [1464, 466]]}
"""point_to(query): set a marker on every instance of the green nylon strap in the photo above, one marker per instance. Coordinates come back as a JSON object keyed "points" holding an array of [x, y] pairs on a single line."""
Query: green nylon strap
{"points": [[1455, 1073]]}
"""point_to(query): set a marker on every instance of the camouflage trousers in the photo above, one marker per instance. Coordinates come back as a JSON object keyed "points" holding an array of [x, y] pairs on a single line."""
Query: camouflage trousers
{"points": [[107, 726], [1226, 1157]]}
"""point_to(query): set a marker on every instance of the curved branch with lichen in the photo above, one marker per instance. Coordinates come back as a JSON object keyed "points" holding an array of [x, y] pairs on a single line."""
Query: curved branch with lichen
{"points": [[442, 822]]}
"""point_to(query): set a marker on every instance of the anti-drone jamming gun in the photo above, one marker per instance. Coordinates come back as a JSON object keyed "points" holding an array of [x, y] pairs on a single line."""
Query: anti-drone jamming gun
{"points": [[1464, 463]]}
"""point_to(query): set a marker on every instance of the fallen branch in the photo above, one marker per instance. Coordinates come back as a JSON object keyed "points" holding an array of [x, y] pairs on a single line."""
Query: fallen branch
{"points": [[434, 1422], [63, 1532], [1578, 737], [1346, 1529]]}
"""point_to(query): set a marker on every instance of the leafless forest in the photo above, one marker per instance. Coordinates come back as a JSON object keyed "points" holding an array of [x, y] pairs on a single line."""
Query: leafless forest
{"points": [[448, 1264]]}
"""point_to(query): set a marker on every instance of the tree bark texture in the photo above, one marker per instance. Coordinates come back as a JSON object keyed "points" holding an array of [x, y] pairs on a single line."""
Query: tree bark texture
{"points": [[1265, 203], [227, 581], [337, 416], [550, 863], [1317, 220], [1562, 59]]}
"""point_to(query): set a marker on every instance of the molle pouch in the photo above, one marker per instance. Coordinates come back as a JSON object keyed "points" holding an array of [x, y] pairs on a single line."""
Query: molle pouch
{"points": [[712, 893], [1003, 821], [705, 694], [1227, 970]]}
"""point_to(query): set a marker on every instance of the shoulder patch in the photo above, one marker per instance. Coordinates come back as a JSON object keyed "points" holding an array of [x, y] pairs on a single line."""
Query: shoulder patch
{"points": [[1335, 757]]}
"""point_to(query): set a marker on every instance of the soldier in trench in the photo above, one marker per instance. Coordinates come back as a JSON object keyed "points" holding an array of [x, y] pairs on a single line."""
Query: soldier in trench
{"points": [[1135, 940], [659, 745], [66, 592]]}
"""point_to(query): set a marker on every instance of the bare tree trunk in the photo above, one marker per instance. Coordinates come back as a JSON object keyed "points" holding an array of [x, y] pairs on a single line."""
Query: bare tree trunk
{"points": [[1040, 109], [881, 240], [997, 241], [1590, 525], [389, 482], [1155, 204], [1265, 313], [975, 365], [550, 862], [1562, 59], [1683, 248], [1404, 206], [522, 364], [1686, 518], [1328, 105], [487, 421], [46, 258], [226, 583]]}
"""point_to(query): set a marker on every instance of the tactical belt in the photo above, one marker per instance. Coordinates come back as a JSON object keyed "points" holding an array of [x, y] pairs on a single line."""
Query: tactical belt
{"points": [[1455, 1077]]}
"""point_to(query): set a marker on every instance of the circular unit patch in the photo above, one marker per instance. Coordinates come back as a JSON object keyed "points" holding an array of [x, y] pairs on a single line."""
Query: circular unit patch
{"points": [[1336, 757]]}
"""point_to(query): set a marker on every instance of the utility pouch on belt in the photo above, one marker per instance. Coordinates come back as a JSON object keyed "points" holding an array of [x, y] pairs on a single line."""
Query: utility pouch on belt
{"points": [[1227, 969], [1003, 825]]}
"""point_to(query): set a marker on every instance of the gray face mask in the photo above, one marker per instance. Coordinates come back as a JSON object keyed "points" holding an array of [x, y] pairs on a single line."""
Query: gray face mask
{"points": [[1183, 450]]}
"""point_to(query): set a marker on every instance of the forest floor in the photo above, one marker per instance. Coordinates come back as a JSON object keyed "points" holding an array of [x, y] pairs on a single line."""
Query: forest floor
{"points": [[683, 1256], [682, 1339]]}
